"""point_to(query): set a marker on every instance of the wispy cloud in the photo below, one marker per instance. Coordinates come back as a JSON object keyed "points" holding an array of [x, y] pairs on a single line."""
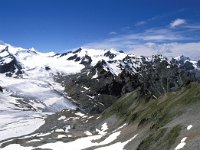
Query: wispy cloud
{"points": [[159, 38], [165, 40], [158, 17], [140, 23], [177, 22], [190, 49], [193, 26], [112, 33], [126, 41]]}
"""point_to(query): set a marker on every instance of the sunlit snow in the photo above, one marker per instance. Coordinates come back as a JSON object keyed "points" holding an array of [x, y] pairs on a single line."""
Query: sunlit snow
{"points": [[28, 99], [182, 144], [189, 127]]}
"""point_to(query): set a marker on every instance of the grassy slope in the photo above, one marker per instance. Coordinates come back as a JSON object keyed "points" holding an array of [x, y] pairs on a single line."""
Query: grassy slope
{"points": [[155, 114]]}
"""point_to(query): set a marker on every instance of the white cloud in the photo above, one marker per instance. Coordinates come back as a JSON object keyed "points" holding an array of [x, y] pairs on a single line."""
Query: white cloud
{"points": [[159, 37], [127, 41], [170, 49], [194, 26], [113, 33], [166, 41], [140, 23], [177, 22]]}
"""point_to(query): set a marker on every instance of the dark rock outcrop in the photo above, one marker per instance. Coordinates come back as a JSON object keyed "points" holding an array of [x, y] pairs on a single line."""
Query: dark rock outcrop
{"points": [[158, 77], [198, 64], [77, 59], [187, 66], [86, 60], [1, 89], [96, 88], [47, 68], [64, 54], [78, 50], [72, 57], [110, 55], [9, 64]]}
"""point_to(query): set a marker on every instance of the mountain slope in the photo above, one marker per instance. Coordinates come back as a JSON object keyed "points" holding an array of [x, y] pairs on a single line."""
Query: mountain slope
{"points": [[97, 87], [58, 98], [130, 123], [162, 123]]}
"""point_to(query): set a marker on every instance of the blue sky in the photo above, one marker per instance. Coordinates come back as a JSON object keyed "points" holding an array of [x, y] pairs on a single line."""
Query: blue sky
{"points": [[60, 25]]}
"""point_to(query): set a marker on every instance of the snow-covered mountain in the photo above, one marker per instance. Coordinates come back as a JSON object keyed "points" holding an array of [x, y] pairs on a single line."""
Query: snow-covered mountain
{"points": [[29, 89], [30, 62], [29, 73], [45, 94]]}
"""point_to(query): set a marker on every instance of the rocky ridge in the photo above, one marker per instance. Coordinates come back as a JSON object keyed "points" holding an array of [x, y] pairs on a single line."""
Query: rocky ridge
{"points": [[97, 87], [94, 79]]}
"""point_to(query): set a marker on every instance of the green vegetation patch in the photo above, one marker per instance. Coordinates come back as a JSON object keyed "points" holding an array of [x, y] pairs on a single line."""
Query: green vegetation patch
{"points": [[160, 139], [135, 109], [155, 114]]}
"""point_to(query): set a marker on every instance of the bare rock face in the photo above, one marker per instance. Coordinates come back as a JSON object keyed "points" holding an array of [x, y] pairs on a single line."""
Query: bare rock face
{"points": [[1, 89], [9, 64], [86, 60], [159, 76], [110, 55], [96, 88]]}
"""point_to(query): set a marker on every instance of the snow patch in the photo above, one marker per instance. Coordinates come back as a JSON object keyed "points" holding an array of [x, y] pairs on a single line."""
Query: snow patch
{"points": [[98, 117], [120, 127], [79, 114], [35, 140], [86, 88], [118, 145], [16, 146], [59, 130], [67, 128], [15, 124], [61, 136], [88, 133], [43, 134], [62, 118], [182, 144], [110, 138], [189, 127], [104, 127], [81, 143], [96, 75]]}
